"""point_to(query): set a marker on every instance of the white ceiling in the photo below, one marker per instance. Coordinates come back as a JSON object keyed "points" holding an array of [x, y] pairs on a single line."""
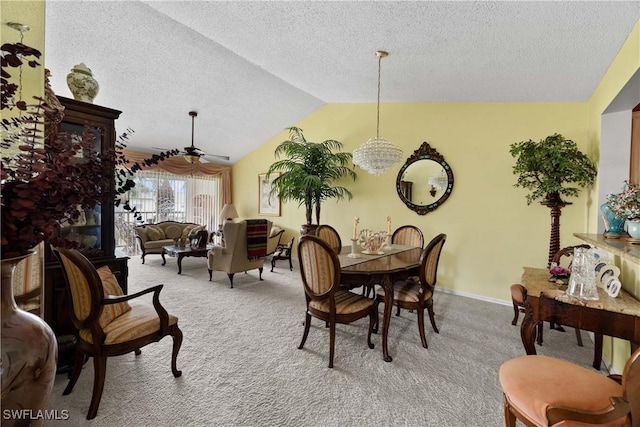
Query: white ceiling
{"points": [[252, 68]]}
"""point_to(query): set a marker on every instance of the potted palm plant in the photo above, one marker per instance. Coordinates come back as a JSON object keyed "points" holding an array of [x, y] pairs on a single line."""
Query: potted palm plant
{"points": [[552, 168], [309, 172]]}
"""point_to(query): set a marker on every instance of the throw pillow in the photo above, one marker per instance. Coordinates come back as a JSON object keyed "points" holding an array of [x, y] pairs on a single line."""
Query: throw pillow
{"points": [[110, 286], [155, 233], [173, 232], [188, 229]]}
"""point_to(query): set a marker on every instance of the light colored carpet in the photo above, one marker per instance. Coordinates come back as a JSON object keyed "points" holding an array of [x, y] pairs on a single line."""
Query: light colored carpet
{"points": [[241, 365]]}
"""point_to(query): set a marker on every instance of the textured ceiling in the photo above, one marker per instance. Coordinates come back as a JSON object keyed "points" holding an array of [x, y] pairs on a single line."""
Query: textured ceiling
{"points": [[252, 68]]}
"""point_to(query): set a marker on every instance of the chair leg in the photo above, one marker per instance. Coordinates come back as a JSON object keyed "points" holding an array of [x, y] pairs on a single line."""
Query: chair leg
{"points": [[332, 342], [509, 417], [290, 263], [423, 338], [376, 303], [260, 274], [373, 320], [137, 352], [231, 278], [398, 310], [210, 274], [78, 362], [540, 328], [578, 337], [177, 342], [100, 370], [516, 314], [432, 318], [305, 334]]}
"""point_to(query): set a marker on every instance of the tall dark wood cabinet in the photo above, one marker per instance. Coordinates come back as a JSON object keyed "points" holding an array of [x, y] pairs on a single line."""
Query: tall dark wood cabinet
{"points": [[95, 228]]}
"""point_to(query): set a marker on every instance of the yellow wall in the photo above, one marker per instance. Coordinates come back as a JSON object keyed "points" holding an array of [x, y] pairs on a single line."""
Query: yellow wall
{"points": [[491, 231], [31, 13], [626, 63]]}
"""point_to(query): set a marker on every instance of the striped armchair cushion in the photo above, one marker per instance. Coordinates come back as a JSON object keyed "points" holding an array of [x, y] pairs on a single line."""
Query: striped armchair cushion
{"points": [[139, 321], [346, 303]]}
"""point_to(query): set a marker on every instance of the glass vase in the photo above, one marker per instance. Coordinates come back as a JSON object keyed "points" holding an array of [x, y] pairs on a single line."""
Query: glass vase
{"points": [[582, 283]]}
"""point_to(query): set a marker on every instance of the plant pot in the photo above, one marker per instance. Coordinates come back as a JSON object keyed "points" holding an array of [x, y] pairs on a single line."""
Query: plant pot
{"points": [[614, 225], [308, 229], [29, 357], [633, 228]]}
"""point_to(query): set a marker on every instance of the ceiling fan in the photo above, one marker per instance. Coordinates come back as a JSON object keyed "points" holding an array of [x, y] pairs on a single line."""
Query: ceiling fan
{"points": [[191, 153]]}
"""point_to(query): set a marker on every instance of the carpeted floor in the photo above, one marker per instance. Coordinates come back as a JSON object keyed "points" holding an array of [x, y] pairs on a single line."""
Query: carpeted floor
{"points": [[241, 365]]}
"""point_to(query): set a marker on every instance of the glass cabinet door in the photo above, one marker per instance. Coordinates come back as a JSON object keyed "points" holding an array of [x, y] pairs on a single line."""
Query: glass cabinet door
{"points": [[87, 229]]}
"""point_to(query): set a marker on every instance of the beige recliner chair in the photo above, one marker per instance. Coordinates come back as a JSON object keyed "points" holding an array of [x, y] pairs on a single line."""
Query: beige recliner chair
{"points": [[233, 257]]}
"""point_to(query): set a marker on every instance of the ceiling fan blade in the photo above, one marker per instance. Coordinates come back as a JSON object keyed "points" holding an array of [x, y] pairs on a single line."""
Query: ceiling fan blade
{"points": [[216, 155]]}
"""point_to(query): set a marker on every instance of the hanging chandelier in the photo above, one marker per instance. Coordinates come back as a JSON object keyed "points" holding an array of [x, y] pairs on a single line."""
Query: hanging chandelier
{"points": [[377, 155]]}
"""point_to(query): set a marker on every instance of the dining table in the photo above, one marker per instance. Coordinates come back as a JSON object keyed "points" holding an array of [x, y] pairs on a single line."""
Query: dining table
{"points": [[385, 268]]}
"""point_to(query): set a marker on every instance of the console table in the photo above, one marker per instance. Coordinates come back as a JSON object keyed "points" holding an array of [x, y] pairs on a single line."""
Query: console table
{"points": [[545, 301]]}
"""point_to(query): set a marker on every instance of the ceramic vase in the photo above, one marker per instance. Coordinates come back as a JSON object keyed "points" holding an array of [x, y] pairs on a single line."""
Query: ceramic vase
{"points": [[82, 84], [29, 358], [614, 225], [633, 228]]}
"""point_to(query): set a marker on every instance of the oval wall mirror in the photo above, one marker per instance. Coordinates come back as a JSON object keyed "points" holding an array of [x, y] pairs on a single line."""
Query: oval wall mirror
{"points": [[425, 180]]}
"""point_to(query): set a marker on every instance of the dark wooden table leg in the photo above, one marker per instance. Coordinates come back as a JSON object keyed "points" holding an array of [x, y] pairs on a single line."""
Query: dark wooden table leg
{"points": [[388, 307], [180, 256], [597, 351], [164, 261], [528, 330]]}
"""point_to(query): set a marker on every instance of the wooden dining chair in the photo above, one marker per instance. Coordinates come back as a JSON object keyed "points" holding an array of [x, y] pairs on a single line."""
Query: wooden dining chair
{"points": [[107, 325], [545, 391], [320, 271], [331, 236], [408, 235], [417, 295]]}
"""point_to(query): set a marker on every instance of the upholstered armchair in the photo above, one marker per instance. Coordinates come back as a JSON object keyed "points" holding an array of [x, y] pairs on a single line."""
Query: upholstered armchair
{"points": [[242, 251], [107, 324]]}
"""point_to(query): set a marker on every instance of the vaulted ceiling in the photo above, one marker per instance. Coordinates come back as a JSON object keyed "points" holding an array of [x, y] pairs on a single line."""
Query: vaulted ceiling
{"points": [[252, 68]]}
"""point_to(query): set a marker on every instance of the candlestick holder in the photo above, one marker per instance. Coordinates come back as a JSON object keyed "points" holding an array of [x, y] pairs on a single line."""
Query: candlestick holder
{"points": [[388, 244], [353, 253]]}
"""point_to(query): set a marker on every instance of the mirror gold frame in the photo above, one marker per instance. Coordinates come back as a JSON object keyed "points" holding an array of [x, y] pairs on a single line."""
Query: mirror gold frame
{"points": [[425, 152]]}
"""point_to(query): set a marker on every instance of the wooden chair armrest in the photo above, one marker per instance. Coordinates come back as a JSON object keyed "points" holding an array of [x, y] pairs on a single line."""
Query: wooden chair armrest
{"points": [[616, 377], [619, 408], [27, 296], [160, 310]]}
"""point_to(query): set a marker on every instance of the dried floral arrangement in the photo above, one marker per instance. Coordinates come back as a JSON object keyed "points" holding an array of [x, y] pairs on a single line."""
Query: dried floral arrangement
{"points": [[627, 203], [43, 181]]}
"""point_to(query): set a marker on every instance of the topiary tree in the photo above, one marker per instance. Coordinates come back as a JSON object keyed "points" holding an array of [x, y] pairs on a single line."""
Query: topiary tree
{"points": [[552, 168]]}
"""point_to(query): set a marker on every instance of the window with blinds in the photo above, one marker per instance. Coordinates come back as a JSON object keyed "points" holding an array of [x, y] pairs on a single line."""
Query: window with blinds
{"points": [[160, 196]]}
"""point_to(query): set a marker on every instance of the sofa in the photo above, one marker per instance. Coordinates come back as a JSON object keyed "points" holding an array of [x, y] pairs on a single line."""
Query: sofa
{"points": [[233, 256], [152, 237]]}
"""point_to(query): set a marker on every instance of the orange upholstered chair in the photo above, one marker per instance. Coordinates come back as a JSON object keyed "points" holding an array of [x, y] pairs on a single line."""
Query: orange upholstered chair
{"points": [[545, 391], [107, 325]]}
